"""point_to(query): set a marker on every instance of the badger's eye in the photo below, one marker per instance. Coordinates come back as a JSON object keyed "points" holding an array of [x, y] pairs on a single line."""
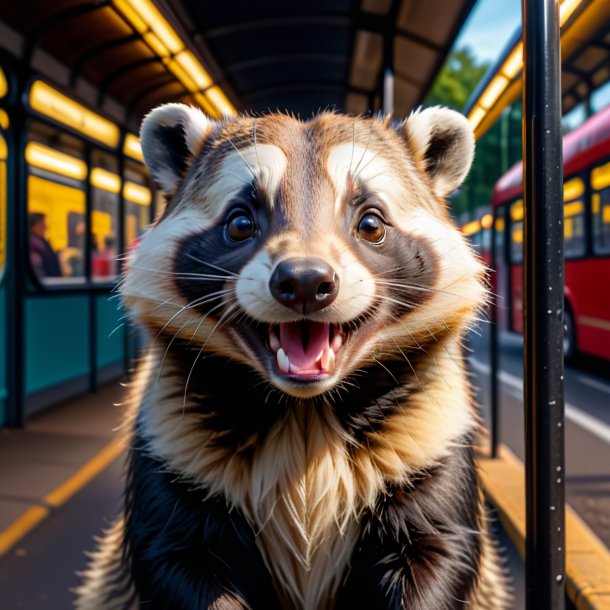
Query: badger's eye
{"points": [[240, 225], [371, 228]]}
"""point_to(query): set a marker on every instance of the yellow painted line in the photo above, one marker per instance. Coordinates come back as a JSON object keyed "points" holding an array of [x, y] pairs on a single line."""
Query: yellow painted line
{"points": [[35, 514], [21, 526], [82, 476], [587, 558]]}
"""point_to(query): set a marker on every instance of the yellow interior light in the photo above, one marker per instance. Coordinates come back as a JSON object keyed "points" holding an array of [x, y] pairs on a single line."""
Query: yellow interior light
{"points": [[493, 91], [516, 211], [476, 116], [573, 189], [105, 180], [218, 98], [3, 150], [157, 23], [568, 229], [471, 227], [573, 209], [156, 45], [54, 161], [566, 8], [3, 84], [51, 103], [156, 31], [132, 147], [194, 69], [514, 62], [606, 215], [137, 193], [486, 221], [518, 235], [595, 201], [600, 177], [500, 225], [182, 75], [201, 99], [131, 15], [4, 120]]}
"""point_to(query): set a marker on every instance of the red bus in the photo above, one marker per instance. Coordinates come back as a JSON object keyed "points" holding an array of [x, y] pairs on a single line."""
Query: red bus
{"points": [[586, 166]]}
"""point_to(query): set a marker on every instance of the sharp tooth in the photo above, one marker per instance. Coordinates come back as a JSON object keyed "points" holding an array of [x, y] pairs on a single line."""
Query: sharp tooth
{"points": [[274, 342], [293, 369], [336, 343], [328, 359], [282, 361]]}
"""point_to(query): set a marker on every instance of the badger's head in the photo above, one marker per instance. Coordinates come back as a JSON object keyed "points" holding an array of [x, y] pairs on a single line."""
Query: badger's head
{"points": [[306, 250]]}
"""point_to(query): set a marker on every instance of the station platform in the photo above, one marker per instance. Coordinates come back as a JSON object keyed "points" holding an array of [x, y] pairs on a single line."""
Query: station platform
{"points": [[61, 484]]}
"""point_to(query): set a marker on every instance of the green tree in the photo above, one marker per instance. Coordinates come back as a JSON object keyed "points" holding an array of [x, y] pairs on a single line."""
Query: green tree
{"points": [[457, 80]]}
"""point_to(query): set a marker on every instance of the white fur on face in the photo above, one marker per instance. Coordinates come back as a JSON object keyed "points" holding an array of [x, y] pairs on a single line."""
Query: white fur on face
{"points": [[368, 166], [264, 165], [356, 290]]}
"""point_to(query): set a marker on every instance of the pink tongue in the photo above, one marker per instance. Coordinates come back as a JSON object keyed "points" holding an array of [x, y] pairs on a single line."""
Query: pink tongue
{"points": [[292, 342]]}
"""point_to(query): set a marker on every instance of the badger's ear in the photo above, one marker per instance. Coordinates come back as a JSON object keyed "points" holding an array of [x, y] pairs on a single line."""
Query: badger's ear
{"points": [[171, 136], [443, 145]]}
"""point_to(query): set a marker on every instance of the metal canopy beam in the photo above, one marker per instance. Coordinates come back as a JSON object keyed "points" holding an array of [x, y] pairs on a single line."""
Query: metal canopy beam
{"points": [[543, 308]]}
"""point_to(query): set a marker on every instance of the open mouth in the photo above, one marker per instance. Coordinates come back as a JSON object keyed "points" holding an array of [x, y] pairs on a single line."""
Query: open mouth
{"points": [[306, 350]]}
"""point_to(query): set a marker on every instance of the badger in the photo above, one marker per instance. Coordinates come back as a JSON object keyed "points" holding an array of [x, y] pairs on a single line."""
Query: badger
{"points": [[302, 430]]}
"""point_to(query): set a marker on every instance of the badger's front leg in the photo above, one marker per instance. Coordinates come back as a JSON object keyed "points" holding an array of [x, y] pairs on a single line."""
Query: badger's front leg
{"points": [[188, 551], [421, 547]]}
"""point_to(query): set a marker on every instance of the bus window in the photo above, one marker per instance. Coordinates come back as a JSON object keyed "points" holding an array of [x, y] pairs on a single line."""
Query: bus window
{"points": [[574, 218], [516, 232], [105, 189], [600, 207], [499, 232], [56, 205], [3, 157], [138, 198]]}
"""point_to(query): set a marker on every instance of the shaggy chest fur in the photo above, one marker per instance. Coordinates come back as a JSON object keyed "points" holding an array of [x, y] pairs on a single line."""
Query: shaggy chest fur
{"points": [[305, 478]]}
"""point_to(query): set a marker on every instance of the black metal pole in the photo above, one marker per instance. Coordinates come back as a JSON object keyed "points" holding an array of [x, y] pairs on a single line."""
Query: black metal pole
{"points": [[16, 271], [493, 344], [89, 245], [543, 308]]}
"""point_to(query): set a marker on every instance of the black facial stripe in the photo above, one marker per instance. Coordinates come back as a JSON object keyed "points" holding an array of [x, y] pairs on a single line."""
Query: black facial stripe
{"points": [[404, 260], [210, 253]]}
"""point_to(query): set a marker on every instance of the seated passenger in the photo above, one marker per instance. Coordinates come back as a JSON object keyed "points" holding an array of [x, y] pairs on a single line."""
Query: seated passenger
{"points": [[42, 256]]}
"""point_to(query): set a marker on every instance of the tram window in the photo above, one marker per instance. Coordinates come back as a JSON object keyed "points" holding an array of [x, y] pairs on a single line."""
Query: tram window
{"points": [[516, 232], [105, 189], [138, 198], [574, 218], [600, 207], [56, 205], [3, 157]]}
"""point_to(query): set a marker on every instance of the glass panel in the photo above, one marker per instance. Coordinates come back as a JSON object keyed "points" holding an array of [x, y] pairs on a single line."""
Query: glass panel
{"points": [[56, 205], [57, 230], [138, 197], [105, 189], [516, 232], [601, 221], [574, 219]]}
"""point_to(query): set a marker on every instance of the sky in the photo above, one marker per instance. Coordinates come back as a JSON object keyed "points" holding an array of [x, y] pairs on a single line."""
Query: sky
{"points": [[489, 27]]}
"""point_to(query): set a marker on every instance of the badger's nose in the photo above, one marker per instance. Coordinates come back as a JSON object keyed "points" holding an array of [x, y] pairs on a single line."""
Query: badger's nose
{"points": [[304, 284]]}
